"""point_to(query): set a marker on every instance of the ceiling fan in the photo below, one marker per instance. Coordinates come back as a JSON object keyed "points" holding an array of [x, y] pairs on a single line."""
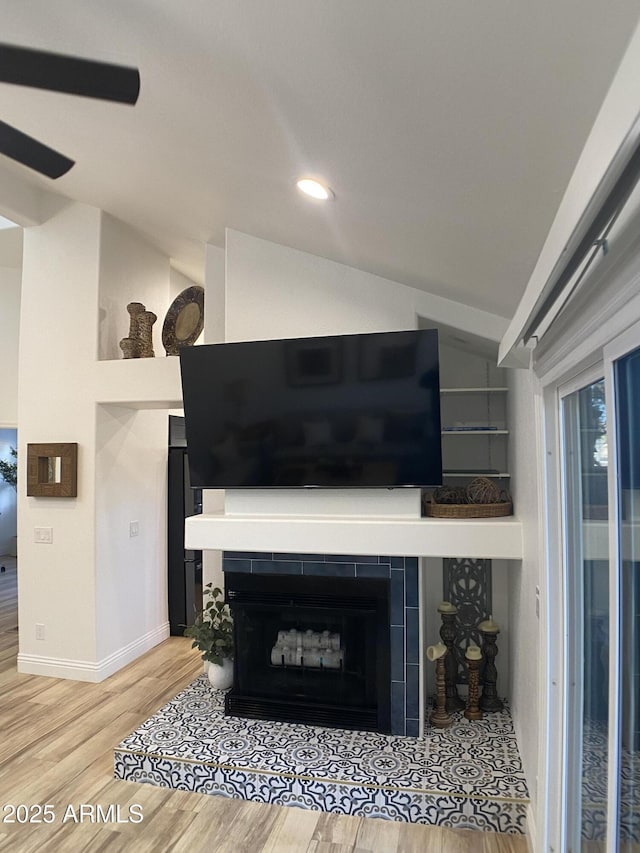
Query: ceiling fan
{"points": [[59, 73]]}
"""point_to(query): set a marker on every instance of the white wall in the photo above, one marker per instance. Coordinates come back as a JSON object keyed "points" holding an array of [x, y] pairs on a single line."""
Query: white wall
{"points": [[273, 291], [524, 579], [10, 289], [131, 485], [59, 314], [214, 303], [100, 594], [178, 282], [8, 496], [10, 286]]}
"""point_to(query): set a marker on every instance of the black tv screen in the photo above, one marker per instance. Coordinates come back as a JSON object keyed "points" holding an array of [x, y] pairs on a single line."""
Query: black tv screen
{"points": [[344, 411]]}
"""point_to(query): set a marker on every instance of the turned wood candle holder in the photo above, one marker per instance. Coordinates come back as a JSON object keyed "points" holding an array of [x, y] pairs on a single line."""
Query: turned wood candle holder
{"points": [[448, 632], [489, 700], [473, 658], [439, 717]]}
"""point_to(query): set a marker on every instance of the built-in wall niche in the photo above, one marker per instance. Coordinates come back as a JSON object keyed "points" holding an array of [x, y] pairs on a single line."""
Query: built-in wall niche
{"points": [[133, 271], [52, 470], [475, 443], [475, 429]]}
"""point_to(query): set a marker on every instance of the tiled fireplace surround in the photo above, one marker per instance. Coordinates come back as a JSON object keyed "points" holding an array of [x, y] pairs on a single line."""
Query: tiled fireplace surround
{"points": [[404, 612]]}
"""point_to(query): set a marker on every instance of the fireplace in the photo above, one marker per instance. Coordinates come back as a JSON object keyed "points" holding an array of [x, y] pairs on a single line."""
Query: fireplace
{"points": [[328, 640], [311, 649]]}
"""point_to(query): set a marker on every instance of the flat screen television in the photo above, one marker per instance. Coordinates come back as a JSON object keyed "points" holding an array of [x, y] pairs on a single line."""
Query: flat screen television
{"points": [[342, 411]]}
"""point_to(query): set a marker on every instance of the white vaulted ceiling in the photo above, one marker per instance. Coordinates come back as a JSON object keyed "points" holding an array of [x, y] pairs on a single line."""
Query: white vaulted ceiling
{"points": [[448, 129]]}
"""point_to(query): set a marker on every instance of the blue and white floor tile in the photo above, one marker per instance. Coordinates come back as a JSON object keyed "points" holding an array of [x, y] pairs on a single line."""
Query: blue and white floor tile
{"points": [[469, 775]]}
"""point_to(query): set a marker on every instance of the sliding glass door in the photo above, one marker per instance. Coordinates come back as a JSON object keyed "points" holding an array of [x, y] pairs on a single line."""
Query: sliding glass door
{"points": [[625, 794], [586, 550], [600, 440]]}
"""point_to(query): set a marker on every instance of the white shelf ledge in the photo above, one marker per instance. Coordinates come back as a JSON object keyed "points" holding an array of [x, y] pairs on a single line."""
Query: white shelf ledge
{"points": [[493, 538], [494, 390], [467, 432], [139, 383], [496, 475]]}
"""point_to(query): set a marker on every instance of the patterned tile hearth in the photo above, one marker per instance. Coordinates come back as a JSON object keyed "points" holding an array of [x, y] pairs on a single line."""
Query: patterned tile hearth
{"points": [[468, 776]]}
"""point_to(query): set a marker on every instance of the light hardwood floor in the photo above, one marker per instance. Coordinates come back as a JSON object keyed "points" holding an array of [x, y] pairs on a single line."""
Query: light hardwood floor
{"points": [[57, 749]]}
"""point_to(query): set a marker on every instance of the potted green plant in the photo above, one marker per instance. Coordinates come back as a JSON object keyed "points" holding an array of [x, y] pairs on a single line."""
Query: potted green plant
{"points": [[212, 633], [9, 470], [9, 473]]}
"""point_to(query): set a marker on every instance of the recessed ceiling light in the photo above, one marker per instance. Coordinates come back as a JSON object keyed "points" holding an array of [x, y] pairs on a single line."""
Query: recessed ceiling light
{"points": [[314, 188]]}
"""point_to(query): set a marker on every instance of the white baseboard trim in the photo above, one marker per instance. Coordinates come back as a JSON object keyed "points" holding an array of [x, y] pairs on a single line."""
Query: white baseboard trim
{"points": [[81, 670], [532, 839]]}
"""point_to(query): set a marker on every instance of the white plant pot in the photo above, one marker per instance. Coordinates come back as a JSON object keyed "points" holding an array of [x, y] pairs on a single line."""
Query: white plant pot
{"points": [[221, 675]]}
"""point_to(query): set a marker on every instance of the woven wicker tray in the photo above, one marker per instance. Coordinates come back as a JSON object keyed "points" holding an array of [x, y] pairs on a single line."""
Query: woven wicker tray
{"points": [[496, 510]]}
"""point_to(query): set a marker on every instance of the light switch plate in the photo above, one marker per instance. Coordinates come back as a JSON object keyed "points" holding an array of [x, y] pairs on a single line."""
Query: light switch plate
{"points": [[43, 535]]}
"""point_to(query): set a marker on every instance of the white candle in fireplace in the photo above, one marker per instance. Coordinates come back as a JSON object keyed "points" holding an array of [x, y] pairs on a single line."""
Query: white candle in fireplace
{"points": [[276, 655]]}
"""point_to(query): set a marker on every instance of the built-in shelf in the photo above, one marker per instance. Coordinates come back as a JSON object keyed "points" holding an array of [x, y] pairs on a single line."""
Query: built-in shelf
{"points": [[139, 383], [478, 411], [497, 475], [494, 390], [467, 431], [490, 538]]}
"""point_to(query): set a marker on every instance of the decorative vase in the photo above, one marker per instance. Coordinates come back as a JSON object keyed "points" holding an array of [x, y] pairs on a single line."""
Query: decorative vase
{"points": [[130, 347], [146, 319], [221, 675], [139, 343]]}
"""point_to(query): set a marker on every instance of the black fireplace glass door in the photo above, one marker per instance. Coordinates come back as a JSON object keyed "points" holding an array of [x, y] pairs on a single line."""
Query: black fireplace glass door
{"points": [[263, 672], [311, 649]]}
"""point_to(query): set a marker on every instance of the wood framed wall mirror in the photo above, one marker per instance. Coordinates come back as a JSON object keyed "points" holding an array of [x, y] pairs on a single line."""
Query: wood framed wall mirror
{"points": [[52, 470]]}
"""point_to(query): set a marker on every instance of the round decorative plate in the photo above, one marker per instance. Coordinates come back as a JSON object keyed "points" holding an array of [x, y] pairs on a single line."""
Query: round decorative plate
{"points": [[184, 320]]}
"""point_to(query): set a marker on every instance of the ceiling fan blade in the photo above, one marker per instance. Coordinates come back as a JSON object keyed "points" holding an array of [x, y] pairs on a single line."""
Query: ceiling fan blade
{"points": [[41, 69], [28, 151]]}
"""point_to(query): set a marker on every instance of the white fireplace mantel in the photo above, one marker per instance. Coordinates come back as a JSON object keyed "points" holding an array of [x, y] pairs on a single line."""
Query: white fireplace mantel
{"points": [[494, 538]]}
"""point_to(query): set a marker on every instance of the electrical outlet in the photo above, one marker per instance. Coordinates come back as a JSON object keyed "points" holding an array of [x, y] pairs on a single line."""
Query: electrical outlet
{"points": [[134, 528], [39, 631], [43, 535]]}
